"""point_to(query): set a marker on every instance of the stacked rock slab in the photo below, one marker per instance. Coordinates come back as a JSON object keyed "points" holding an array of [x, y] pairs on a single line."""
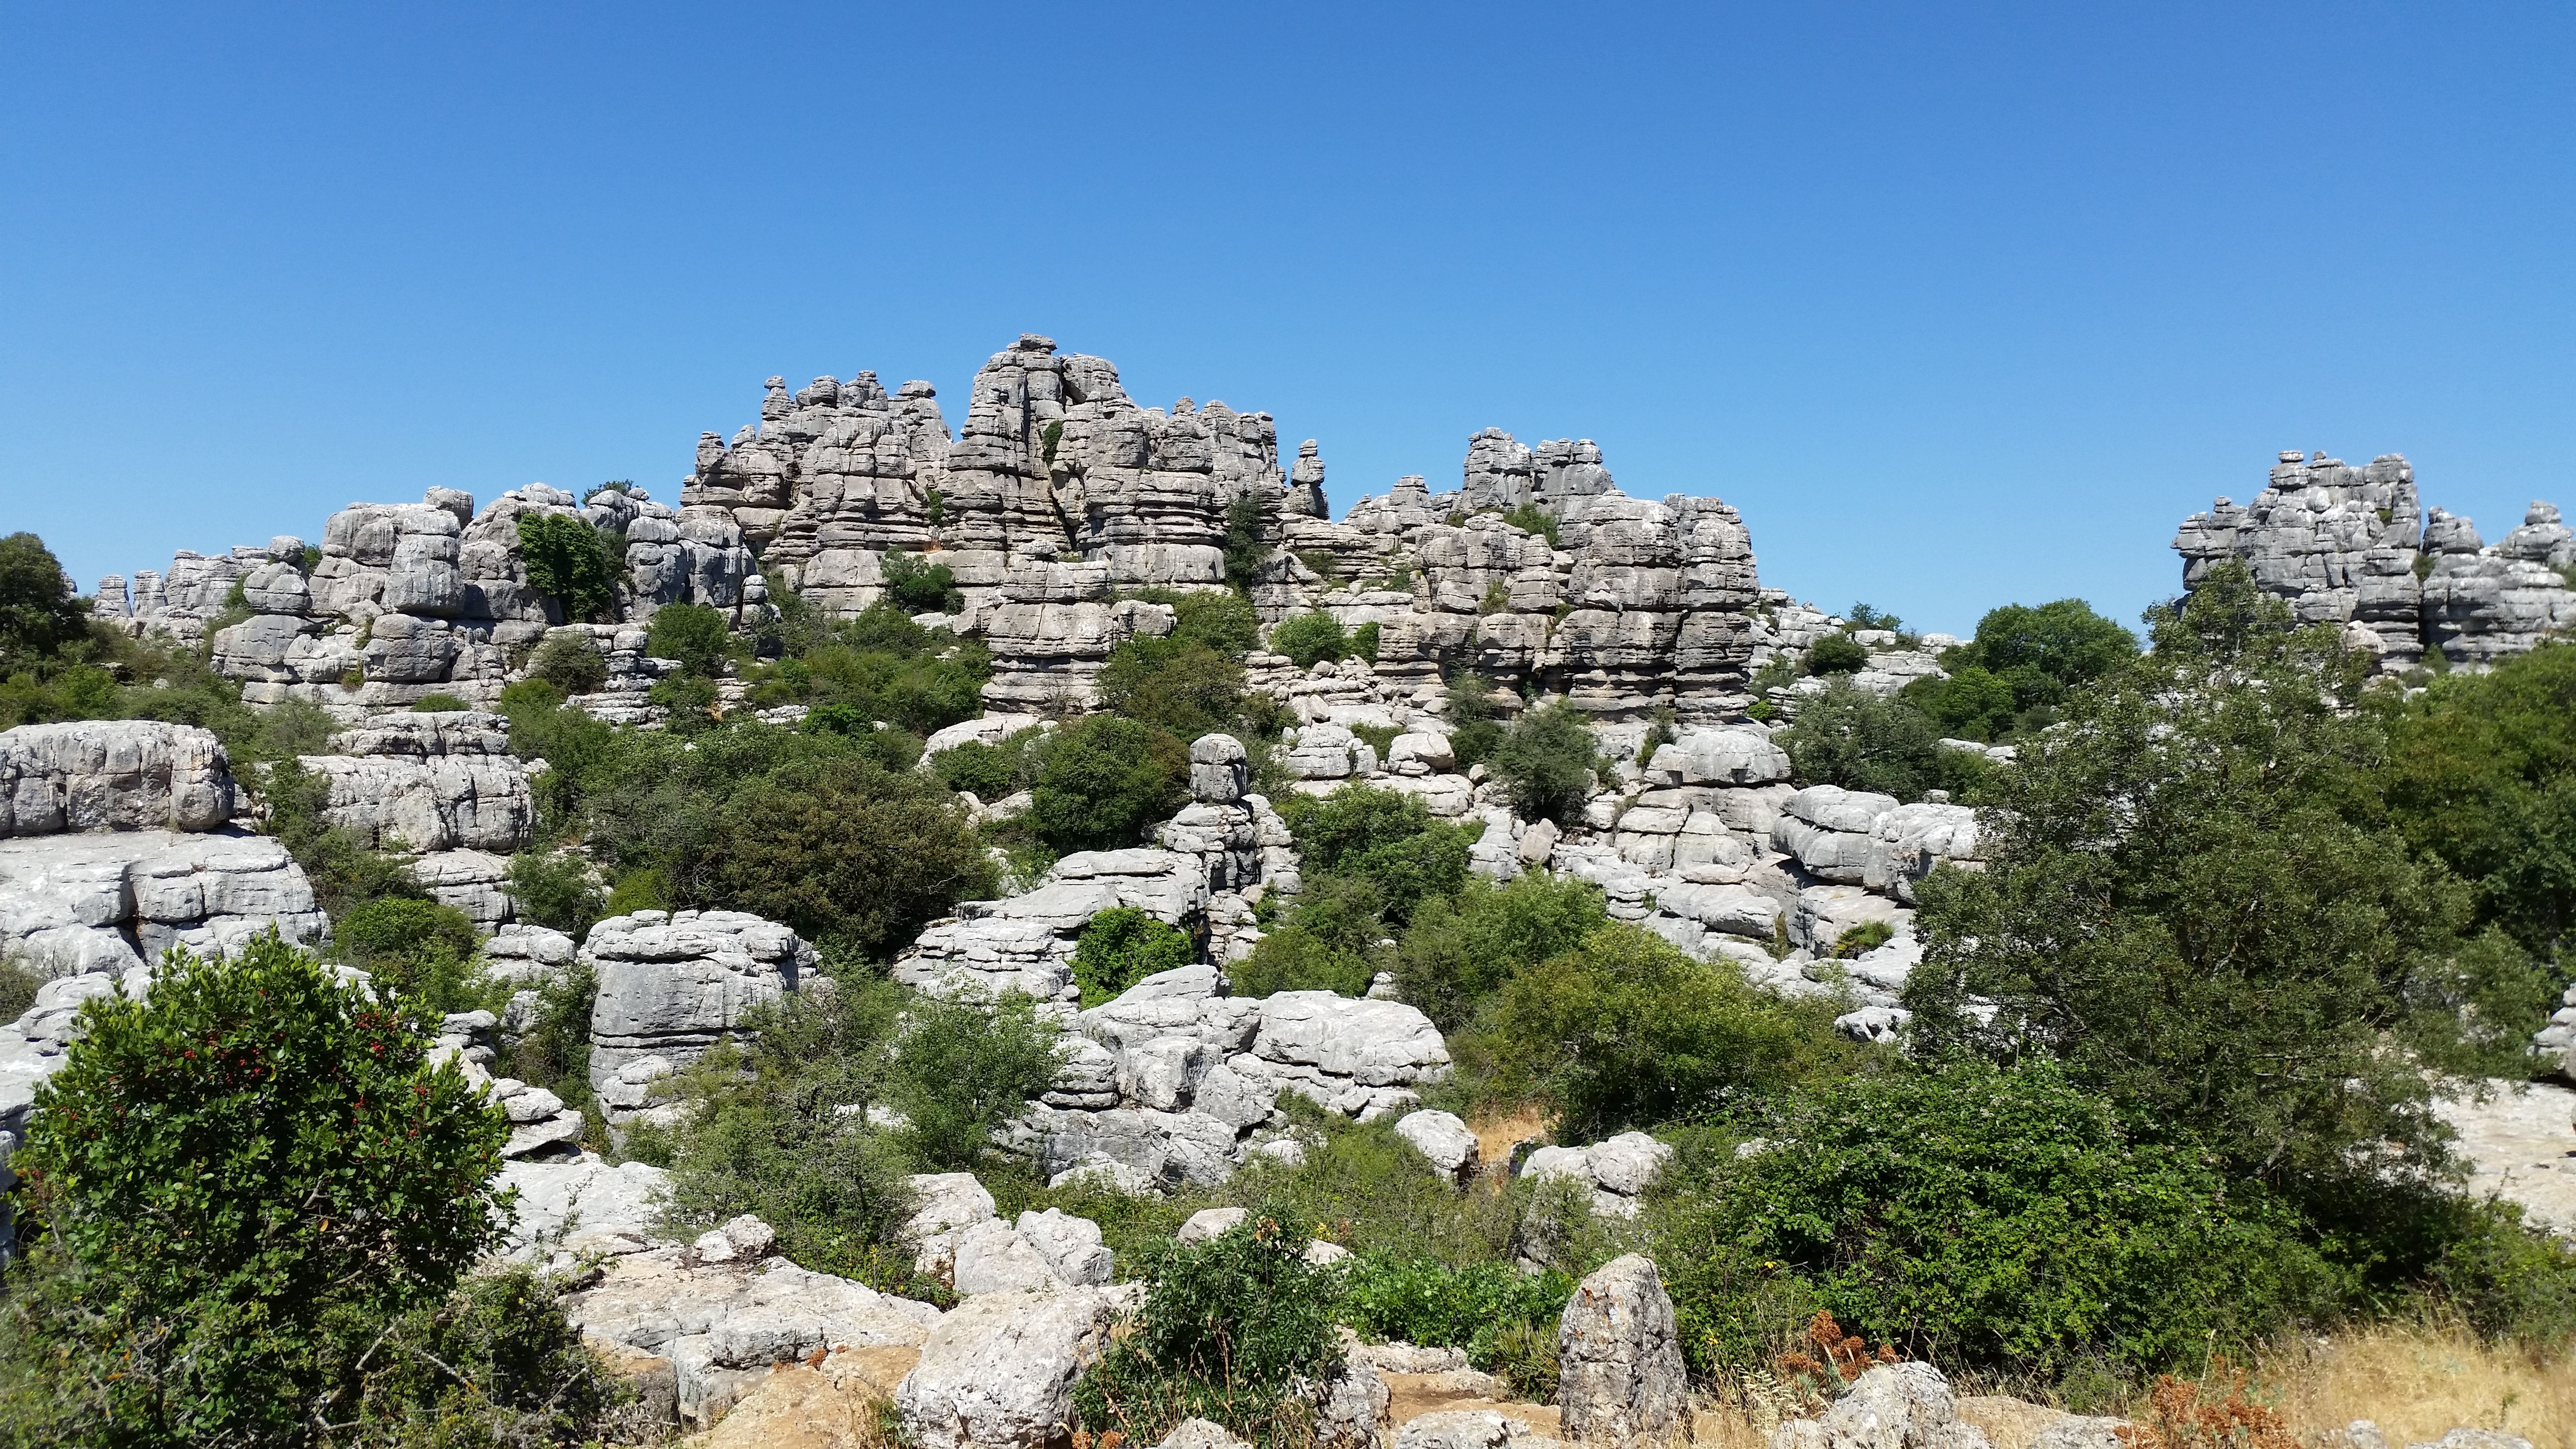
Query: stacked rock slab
{"points": [[2352, 547], [428, 783], [672, 985]]}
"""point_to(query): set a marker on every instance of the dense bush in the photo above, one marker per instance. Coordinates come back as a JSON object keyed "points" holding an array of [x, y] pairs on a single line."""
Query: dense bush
{"points": [[1459, 951], [853, 855], [1837, 654], [989, 772], [880, 665], [1175, 684], [1246, 542], [963, 1066], [569, 561], [2193, 885], [691, 635], [1846, 736], [1548, 762], [1122, 946], [1227, 1325], [1475, 726], [1309, 639], [1385, 837], [570, 661], [1626, 1031], [918, 586], [416, 948], [1478, 1307], [344, 873], [38, 614], [235, 1180], [1985, 1219], [2009, 681], [554, 889], [439, 703], [1103, 780]]}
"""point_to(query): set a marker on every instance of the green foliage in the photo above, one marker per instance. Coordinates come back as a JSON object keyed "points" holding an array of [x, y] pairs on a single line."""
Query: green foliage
{"points": [[1626, 1031], [568, 561], [345, 874], [1121, 946], [1173, 684], [849, 853], [880, 666], [553, 1050], [1384, 837], [1313, 952], [1226, 1326], [1847, 736], [1475, 726], [1986, 1219], [1309, 639], [918, 586], [2193, 897], [989, 772], [1530, 518], [1048, 437], [1101, 781], [1862, 616], [38, 613], [19, 983], [1548, 762], [1862, 939], [1459, 950], [1245, 542], [1364, 641], [2009, 681], [554, 889], [1476, 1307], [963, 1066], [438, 703], [1837, 654], [693, 635], [232, 1170], [1326, 565], [2481, 775], [417, 948], [767, 1128], [570, 661]]}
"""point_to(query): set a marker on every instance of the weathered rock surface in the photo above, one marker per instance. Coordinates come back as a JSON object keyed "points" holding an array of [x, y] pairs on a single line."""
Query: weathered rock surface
{"points": [[997, 1372], [1892, 1406], [1616, 1171], [672, 984], [111, 901], [1443, 1140], [1621, 1380], [428, 783], [112, 775]]}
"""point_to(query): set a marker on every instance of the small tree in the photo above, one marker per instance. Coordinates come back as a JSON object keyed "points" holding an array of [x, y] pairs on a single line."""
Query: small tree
{"points": [[1308, 639], [568, 561], [554, 889], [232, 1166], [848, 852], [1475, 726], [1837, 654], [963, 1066], [1122, 946], [1847, 736], [918, 586], [691, 634], [1245, 544], [416, 948], [1549, 762], [38, 614], [570, 662], [1104, 780]]}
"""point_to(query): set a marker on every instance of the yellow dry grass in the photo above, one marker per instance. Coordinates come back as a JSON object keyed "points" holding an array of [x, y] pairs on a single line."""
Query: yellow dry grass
{"points": [[1495, 1135], [2417, 1381]]}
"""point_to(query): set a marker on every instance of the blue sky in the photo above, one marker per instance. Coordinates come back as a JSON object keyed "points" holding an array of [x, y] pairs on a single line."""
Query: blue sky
{"points": [[1960, 305]]}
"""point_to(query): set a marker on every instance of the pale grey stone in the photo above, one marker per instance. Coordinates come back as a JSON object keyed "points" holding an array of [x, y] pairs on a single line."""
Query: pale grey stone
{"points": [[112, 775], [1621, 1379], [1443, 1140], [998, 1372]]}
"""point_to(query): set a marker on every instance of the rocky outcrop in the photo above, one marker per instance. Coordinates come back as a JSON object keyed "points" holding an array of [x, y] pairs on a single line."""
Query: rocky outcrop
{"points": [[1444, 1141], [428, 782], [673, 984], [2352, 547], [1616, 1172], [1621, 1380], [112, 775], [73, 904], [1891, 1406], [997, 1372]]}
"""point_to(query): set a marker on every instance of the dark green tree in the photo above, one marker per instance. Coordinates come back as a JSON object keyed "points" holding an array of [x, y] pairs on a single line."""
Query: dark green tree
{"points": [[38, 614], [1846, 736], [1548, 761], [1105, 779], [847, 852], [1122, 946], [569, 561], [1309, 639], [692, 635], [1246, 541]]}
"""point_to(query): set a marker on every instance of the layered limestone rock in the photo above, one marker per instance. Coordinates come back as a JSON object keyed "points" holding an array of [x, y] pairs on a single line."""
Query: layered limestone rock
{"points": [[1622, 1382], [439, 782], [673, 984], [2353, 547], [112, 775]]}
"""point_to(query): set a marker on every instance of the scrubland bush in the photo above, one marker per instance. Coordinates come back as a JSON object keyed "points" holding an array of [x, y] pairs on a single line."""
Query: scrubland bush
{"points": [[570, 662], [1122, 946], [1309, 639], [1548, 762], [1102, 781]]}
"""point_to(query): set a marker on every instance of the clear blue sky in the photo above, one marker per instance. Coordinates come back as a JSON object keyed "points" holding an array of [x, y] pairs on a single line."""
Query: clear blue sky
{"points": [[1961, 305]]}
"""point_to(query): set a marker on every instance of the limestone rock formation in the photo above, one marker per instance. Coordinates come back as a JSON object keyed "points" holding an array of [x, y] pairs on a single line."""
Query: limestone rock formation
{"points": [[672, 984], [1615, 1171], [1622, 1381], [997, 1372], [428, 782], [2353, 547], [112, 775], [1891, 1406]]}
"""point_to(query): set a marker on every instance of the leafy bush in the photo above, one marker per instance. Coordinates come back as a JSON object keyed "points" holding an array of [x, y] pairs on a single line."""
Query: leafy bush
{"points": [[847, 852], [1837, 654], [554, 889], [693, 635], [344, 873], [1226, 1326], [438, 704], [553, 1049], [921, 587], [1303, 957], [988, 772], [1309, 639], [1385, 837], [1998, 1220], [1862, 939], [1475, 728], [1625, 1031], [1245, 544], [416, 948], [2192, 882], [1102, 781], [766, 1128], [1459, 951], [2008, 682], [1846, 736], [1530, 518], [1177, 685], [232, 1175], [1122, 946], [963, 1066], [1548, 762], [569, 661], [19, 983], [568, 561], [38, 613], [1476, 1307], [1364, 641]]}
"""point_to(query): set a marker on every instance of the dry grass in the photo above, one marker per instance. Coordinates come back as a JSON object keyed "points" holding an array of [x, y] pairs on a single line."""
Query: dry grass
{"points": [[1495, 1135], [2416, 1381]]}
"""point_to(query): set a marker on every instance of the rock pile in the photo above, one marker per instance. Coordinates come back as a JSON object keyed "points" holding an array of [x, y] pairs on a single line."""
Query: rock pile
{"points": [[2353, 546]]}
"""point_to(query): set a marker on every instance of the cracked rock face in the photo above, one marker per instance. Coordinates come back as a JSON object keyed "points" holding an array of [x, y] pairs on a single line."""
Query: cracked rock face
{"points": [[1622, 1380], [673, 984], [997, 1372], [112, 775]]}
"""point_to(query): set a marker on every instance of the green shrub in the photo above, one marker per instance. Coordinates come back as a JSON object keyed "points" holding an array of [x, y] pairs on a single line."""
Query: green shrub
{"points": [[1385, 837], [569, 661], [1122, 946], [568, 561], [1102, 781], [987, 772], [847, 852], [1548, 762], [1862, 939], [1183, 687], [1837, 654], [1475, 727], [1245, 544], [692, 635], [554, 889], [1475, 1307], [1998, 1220], [344, 873], [1297, 958], [417, 948], [964, 1066], [1364, 641], [1226, 1326], [1459, 951], [38, 613], [1309, 639], [1531, 518], [919, 587], [1625, 1031], [232, 1175], [553, 1049], [766, 1128], [438, 704], [19, 983], [1849, 737]]}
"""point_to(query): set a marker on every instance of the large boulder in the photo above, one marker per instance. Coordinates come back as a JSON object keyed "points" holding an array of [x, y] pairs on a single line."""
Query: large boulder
{"points": [[112, 775], [998, 1372], [1621, 1380], [111, 901], [1891, 1406], [1830, 830], [673, 984], [428, 782]]}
